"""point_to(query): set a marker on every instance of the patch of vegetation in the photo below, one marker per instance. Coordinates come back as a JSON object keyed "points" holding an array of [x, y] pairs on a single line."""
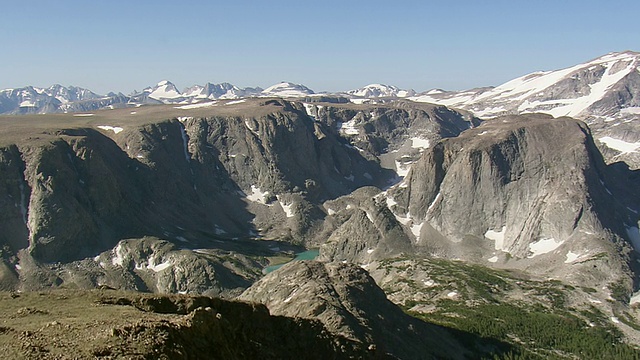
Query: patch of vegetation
{"points": [[619, 291], [628, 320], [535, 324], [533, 333]]}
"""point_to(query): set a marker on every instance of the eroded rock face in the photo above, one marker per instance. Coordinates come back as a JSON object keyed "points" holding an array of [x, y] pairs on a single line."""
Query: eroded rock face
{"points": [[349, 303], [363, 229], [262, 170], [528, 192]]}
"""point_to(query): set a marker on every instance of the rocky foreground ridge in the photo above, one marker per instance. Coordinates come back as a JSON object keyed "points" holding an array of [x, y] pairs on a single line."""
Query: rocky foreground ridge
{"points": [[116, 325]]}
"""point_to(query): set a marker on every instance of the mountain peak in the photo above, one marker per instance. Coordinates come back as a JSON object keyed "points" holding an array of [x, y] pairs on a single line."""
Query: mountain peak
{"points": [[287, 89], [163, 90], [579, 91], [380, 90]]}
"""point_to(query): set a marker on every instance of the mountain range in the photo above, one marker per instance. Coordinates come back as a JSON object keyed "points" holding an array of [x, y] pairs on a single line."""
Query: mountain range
{"points": [[503, 220], [602, 92]]}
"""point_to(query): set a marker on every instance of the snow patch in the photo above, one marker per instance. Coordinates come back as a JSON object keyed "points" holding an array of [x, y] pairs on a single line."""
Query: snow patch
{"points": [[370, 217], [115, 129], [452, 294], [571, 257], [309, 108], [370, 251], [27, 103], [82, 115], [157, 267], [236, 102], [403, 220], [196, 106], [118, 256], [635, 299], [498, 237], [615, 320], [390, 201], [185, 143], [415, 230], [287, 208], [493, 259], [402, 169], [249, 126], [630, 110], [543, 246], [348, 127], [620, 145], [290, 296], [258, 195], [419, 143], [434, 202], [490, 112]]}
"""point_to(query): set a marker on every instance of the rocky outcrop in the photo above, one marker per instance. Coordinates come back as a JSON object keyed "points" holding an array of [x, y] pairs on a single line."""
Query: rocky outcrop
{"points": [[349, 303], [529, 192], [109, 324], [362, 229]]}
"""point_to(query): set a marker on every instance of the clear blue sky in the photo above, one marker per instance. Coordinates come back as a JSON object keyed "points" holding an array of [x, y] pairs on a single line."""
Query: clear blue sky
{"points": [[327, 45]]}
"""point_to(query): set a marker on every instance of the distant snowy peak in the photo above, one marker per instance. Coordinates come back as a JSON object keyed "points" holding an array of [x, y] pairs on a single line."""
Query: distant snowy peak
{"points": [[163, 90], [34, 100], [287, 89], [600, 87], [213, 91], [380, 90], [69, 94]]}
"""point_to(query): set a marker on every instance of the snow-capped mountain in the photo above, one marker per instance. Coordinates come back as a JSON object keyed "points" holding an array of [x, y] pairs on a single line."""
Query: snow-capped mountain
{"points": [[287, 89], [607, 86], [381, 90], [219, 91], [35, 100], [164, 91], [604, 92]]}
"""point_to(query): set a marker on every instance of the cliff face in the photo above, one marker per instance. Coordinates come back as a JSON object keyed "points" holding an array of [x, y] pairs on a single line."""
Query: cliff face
{"points": [[528, 192], [73, 187]]}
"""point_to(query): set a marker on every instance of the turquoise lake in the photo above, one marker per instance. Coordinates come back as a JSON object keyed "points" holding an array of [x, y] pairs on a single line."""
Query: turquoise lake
{"points": [[305, 255]]}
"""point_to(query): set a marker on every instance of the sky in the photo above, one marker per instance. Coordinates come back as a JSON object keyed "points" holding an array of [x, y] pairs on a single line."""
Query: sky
{"points": [[326, 45]]}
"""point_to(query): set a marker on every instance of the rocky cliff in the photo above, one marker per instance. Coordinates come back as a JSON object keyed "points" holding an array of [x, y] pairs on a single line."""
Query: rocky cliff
{"points": [[349, 303], [529, 192], [201, 178]]}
